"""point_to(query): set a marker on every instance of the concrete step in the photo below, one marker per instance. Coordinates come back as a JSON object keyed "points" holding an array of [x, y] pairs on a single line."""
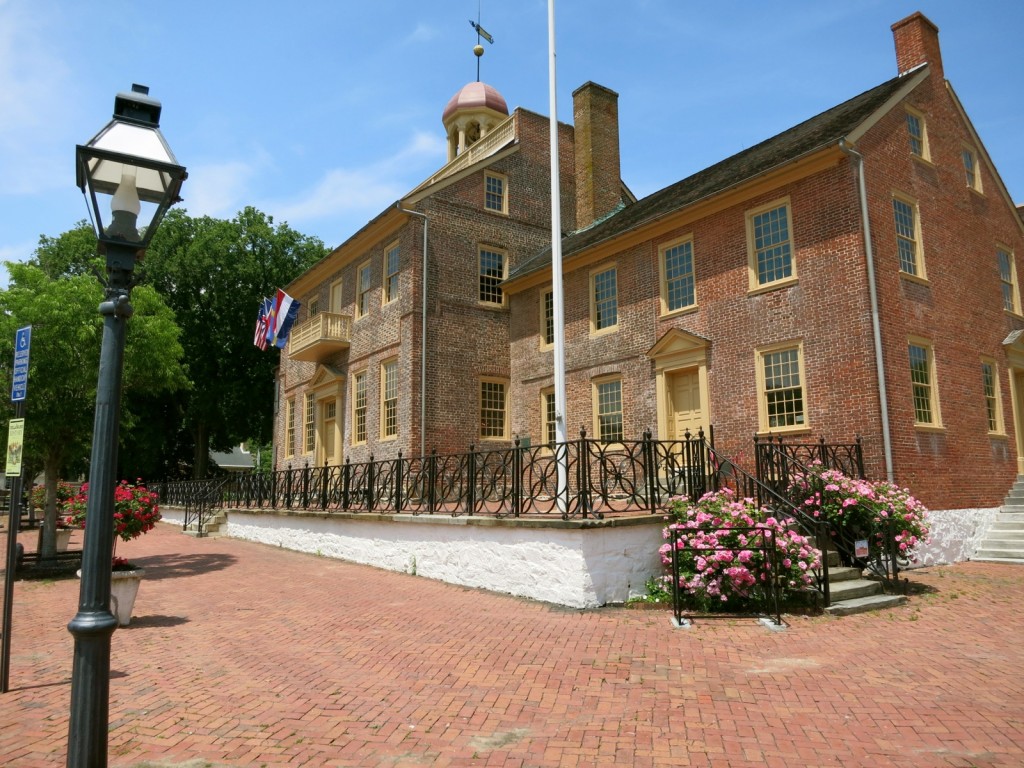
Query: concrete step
{"points": [[850, 590], [979, 558], [987, 553], [864, 604], [1005, 532], [838, 573], [1000, 544], [1010, 517]]}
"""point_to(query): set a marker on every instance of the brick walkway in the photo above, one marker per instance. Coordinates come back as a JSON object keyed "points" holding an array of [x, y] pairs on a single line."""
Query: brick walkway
{"points": [[245, 655]]}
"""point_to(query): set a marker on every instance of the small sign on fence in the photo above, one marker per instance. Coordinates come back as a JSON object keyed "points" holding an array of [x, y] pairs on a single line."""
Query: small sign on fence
{"points": [[860, 548]]}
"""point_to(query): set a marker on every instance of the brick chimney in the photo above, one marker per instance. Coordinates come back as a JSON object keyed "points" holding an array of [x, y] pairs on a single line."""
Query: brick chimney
{"points": [[917, 42], [598, 177]]}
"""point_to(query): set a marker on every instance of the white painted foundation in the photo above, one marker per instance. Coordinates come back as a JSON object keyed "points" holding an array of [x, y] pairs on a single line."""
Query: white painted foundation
{"points": [[579, 564]]}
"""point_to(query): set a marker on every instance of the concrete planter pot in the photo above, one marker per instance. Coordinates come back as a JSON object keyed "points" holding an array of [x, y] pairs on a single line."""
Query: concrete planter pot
{"points": [[124, 588], [63, 539]]}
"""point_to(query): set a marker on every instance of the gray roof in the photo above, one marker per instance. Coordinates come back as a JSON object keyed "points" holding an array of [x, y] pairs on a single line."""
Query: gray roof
{"points": [[820, 131]]}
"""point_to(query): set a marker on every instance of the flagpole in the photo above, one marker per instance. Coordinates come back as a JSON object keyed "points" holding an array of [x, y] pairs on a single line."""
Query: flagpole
{"points": [[558, 295]]}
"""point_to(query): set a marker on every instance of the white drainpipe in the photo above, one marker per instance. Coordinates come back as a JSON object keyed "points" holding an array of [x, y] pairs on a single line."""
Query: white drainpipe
{"points": [[423, 335], [876, 329]]}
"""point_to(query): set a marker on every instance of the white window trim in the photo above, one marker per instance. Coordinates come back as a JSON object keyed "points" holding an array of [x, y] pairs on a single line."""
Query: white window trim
{"points": [[977, 186]]}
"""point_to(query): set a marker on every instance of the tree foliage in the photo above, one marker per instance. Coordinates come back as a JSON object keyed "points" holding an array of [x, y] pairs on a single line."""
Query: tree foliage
{"points": [[56, 294], [213, 274]]}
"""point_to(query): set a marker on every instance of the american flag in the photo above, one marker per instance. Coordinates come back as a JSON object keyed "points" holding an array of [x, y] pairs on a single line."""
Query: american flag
{"points": [[260, 338]]}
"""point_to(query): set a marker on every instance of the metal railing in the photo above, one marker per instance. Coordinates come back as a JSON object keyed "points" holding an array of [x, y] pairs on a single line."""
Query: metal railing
{"points": [[764, 596], [779, 468], [198, 497]]}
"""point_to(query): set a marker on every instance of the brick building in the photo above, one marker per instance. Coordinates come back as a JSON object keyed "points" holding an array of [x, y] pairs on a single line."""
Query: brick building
{"points": [[853, 275]]}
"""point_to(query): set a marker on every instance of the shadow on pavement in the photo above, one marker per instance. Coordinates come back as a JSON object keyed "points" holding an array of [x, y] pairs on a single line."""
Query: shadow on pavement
{"points": [[177, 566], [155, 620]]}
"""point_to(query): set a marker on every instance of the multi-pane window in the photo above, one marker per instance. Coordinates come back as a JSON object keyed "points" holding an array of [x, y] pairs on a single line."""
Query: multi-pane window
{"points": [[782, 388], [363, 289], [971, 170], [313, 306], [609, 410], [309, 424], [922, 379], [907, 242], [772, 245], [604, 299], [289, 427], [359, 407], [990, 383], [389, 399], [548, 427], [495, 198], [547, 317], [492, 409], [1008, 280], [678, 289], [916, 133], [391, 273], [492, 272]]}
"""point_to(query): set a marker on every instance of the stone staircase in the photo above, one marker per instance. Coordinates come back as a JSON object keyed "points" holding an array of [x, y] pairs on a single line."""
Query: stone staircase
{"points": [[214, 520], [1004, 540], [850, 592]]}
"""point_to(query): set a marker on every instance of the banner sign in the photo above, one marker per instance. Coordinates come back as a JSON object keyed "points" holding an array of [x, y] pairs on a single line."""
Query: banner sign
{"points": [[15, 445]]}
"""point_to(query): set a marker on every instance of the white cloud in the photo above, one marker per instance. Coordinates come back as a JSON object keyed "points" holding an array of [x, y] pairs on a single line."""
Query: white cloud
{"points": [[422, 33], [33, 151], [342, 192], [218, 189]]}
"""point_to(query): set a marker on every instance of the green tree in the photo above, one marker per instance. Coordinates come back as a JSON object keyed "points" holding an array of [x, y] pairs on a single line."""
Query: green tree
{"points": [[214, 273], [60, 300]]}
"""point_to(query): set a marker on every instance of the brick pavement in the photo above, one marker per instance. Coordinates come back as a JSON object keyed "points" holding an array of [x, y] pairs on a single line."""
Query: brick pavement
{"points": [[245, 655]]}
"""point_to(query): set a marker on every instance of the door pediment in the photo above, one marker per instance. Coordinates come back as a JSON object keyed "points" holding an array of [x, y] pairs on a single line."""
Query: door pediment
{"points": [[677, 348]]}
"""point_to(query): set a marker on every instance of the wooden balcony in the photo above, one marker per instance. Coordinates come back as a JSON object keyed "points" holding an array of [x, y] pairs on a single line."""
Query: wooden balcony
{"points": [[319, 337]]}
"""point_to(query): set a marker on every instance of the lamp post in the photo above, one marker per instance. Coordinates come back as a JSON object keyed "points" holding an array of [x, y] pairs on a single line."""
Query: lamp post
{"points": [[129, 166]]}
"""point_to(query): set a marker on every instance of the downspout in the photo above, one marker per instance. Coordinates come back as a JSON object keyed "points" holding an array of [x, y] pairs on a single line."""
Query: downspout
{"points": [[876, 328], [423, 335]]}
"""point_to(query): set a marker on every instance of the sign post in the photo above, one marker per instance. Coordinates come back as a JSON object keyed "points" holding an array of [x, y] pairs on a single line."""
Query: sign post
{"points": [[15, 451]]}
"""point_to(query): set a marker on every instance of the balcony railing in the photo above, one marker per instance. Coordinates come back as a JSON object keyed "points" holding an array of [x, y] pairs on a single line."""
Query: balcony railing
{"points": [[320, 336]]}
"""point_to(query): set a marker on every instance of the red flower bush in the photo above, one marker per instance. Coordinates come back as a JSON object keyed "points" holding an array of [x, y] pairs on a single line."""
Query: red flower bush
{"points": [[136, 509]]}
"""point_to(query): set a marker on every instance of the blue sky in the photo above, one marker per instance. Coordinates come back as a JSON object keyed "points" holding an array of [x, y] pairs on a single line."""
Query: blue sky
{"points": [[322, 113]]}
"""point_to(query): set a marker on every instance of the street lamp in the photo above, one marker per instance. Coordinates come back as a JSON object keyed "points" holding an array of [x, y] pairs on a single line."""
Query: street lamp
{"points": [[129, 167]]}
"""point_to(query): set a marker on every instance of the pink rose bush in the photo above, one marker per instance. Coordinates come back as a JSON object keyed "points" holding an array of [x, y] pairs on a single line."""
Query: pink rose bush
{"points": [[864, 508], [724, 547]]}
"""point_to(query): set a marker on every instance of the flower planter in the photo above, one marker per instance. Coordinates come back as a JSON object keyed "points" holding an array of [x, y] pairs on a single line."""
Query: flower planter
{"points": [[124, 587], [63, 539]]}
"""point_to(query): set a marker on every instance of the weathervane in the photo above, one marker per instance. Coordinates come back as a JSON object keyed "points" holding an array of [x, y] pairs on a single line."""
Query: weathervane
{"points": [[481, 33]]}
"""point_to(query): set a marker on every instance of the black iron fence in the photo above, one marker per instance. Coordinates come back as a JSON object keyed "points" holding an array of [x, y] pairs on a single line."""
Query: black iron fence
{"points": [[627, 477], [780, 466]]}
